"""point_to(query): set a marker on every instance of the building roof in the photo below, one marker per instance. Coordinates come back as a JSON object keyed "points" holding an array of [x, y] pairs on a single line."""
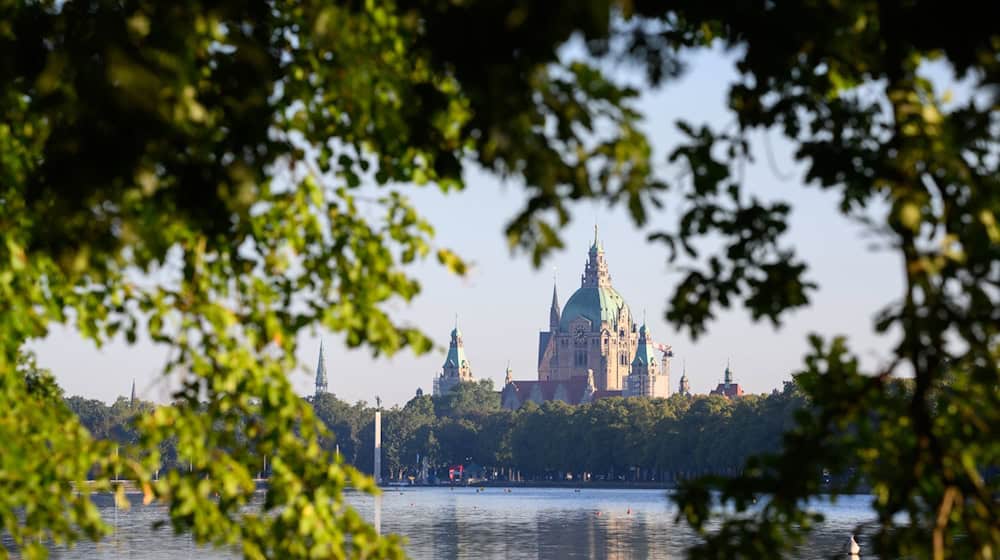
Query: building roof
{"points": [[572, 389], [456, 350], [644, 354], [597, 304], [728, 390], [554, 308], [543, 343]]}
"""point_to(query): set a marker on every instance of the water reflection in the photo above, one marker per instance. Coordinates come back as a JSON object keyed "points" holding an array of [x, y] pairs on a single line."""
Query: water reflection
{"points": [[463, 523]]}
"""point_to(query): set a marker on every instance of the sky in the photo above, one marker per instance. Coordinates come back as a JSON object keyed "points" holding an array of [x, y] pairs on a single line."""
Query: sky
{"points": [[503, 302]]}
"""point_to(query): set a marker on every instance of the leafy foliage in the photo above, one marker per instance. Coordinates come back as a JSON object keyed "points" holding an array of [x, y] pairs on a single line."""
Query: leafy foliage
{"points": [[193, 171], [637, 439]]}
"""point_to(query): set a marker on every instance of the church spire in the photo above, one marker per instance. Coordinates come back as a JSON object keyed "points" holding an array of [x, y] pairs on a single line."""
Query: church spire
{"points": [[554, 309], [321, 386], [131, 402]]}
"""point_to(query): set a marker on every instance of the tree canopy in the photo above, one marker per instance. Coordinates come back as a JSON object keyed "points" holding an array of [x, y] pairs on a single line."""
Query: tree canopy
{"points": [[195, 172]]}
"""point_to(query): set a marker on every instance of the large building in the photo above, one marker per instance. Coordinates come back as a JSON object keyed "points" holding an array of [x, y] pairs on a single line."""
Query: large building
{"points": [[593, 347]]}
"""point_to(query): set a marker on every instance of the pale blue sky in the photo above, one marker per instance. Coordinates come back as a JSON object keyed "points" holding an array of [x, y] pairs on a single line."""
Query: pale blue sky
{"points": [[503, 302]]}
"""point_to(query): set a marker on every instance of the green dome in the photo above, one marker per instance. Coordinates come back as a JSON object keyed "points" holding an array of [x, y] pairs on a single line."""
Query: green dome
{"points": [[596, 304]]}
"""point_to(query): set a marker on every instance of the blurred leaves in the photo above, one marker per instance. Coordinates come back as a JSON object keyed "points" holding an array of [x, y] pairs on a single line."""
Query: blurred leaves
{"points": [[223, 176]]}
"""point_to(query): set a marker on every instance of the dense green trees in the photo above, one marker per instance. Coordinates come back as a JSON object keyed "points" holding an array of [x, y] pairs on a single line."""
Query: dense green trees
{"points": [[612, 439]]}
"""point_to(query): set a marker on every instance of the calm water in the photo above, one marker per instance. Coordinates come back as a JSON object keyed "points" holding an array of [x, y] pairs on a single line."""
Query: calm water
{"points": [[461, 523]]}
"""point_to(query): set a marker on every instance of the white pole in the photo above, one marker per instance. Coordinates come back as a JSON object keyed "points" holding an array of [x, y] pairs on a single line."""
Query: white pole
{"points": [[378, 446]]}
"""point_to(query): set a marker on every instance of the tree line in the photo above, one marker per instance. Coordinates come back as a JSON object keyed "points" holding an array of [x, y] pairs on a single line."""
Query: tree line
{"points": [[632, 439]]}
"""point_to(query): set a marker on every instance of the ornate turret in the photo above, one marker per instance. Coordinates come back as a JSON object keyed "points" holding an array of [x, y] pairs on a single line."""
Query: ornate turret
{"points": [[728, 375], [321, 386], [456, 367], [685, 386], [595, 273], [645, 357], [510, 375]]}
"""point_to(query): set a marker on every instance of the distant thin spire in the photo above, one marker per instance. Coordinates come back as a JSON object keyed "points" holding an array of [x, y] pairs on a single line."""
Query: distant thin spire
{"points": [[321, 377], [131, 402], [554, 312]]}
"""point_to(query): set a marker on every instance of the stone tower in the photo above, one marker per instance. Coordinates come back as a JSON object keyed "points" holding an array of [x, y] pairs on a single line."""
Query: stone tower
{"points": [[456, 368], [594, 330], [321, 377], [684, 387]]}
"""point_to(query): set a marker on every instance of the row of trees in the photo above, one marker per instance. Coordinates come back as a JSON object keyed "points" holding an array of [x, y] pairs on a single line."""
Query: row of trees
{"points": [[634, 439], [616, 438]]}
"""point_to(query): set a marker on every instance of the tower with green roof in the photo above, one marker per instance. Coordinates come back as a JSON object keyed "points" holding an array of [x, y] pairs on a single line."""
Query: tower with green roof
{"points": [[645, 378], [456, 368], [684, 388]]}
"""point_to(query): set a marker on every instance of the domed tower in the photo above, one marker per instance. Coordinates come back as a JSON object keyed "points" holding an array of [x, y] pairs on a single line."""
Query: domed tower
{"points": [[595, 330], [456, 368]]}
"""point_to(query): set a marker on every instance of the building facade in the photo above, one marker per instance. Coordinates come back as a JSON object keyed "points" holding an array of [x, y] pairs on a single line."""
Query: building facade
{"points": [[593, 347]]}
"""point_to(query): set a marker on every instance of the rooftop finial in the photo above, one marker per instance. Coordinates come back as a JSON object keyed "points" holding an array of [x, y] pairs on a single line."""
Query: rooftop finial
{"points": [[595, 234]]}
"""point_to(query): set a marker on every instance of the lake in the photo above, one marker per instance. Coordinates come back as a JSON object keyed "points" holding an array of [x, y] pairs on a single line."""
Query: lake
{"points": [[525, 523]]}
